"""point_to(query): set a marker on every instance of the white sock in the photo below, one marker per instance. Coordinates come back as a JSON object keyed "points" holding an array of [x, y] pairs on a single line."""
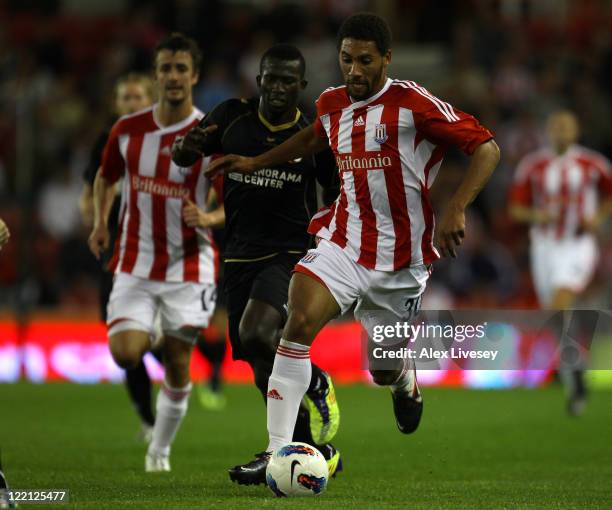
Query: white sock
{"points": [[287, 385], [406, 382], [171, 409]]}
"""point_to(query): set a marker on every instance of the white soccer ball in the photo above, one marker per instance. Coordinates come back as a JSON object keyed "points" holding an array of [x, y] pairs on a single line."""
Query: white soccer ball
{"points": [[297, 469]]}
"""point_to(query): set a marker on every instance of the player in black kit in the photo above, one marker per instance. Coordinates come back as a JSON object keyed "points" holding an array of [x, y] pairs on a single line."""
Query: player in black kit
{"points": [[267, 216]]}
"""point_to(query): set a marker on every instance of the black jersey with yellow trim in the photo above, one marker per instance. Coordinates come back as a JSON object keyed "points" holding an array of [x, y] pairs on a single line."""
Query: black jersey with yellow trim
{"points": [[267, 211]]}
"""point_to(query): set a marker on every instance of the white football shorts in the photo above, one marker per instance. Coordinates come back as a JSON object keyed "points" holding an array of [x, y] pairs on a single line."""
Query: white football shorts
{"points": [[398, 292], [179, 304], [562, 264]]}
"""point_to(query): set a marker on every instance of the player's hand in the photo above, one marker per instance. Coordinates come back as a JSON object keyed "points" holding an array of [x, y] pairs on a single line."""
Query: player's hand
{"points": [[195, 217], [589, 225], [187, 149], [99, 240], [230, 163], [196, 137], [450, 231], [4, 234], [542, 217]]}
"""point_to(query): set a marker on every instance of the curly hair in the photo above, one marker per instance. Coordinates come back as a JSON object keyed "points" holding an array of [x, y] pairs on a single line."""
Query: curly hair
{"points": [[365, 26]]}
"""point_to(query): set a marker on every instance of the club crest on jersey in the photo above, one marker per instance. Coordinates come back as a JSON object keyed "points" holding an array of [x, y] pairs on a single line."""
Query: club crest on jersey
{"points": [[380, 133]]}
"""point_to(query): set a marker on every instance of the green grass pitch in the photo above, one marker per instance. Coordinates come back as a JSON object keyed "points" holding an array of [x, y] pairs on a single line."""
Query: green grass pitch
{"points": [[474, 449]]}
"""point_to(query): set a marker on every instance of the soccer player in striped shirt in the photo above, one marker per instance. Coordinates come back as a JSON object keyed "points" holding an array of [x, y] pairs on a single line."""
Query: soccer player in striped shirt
{"points": [[161, 265], [376, 241], [564, 192]]}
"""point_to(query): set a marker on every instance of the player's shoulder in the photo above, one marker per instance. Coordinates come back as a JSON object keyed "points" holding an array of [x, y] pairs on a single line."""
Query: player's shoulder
{"points": [[592, 157], [234, 106], [333, 97], [534, 160], [132, 123], [415, 96]]}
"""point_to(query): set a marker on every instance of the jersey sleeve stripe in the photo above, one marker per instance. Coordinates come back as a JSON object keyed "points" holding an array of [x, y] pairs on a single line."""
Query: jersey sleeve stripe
{"points": [[444, 108]]}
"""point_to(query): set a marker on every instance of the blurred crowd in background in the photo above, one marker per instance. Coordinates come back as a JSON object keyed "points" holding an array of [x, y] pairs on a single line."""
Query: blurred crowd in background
{"points": [[508, 62]]}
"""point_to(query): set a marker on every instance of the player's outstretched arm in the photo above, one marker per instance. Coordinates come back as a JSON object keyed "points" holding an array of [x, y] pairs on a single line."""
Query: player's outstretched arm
{"points": [[4, 234], [188, 149], [302, 144], [524, 214], [103, 196], [451, 228]]}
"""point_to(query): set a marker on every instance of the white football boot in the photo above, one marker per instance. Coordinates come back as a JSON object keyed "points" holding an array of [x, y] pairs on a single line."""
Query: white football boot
{"points": [[157, 463]]}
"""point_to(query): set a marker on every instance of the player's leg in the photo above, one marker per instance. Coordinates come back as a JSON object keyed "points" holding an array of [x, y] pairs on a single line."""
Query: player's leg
{"points": [[127, 348], [572, 378], [138, 384], [311, 306], [131, 311], [211, 344], [173, 397], [391, 298], [574, 264], [184, 309], [542, 270], [218, 348], [129, 314], [260, 331], [325, 284]]}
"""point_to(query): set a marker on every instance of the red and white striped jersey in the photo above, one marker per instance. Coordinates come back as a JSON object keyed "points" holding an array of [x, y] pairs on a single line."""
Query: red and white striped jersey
{"points": [[388, 149], [153, 240], [568, 187]]}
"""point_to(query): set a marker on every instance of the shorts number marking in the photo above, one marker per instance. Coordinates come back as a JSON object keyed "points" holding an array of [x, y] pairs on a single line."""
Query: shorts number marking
{"points": [[209, 298], [413, 305]]}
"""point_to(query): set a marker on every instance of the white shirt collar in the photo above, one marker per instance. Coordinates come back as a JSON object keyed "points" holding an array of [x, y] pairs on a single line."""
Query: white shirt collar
{"points": [[357, 104]]}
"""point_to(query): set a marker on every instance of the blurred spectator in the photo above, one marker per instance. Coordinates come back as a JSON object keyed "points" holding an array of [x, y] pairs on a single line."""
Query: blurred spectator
{"points": [[58, 206]]}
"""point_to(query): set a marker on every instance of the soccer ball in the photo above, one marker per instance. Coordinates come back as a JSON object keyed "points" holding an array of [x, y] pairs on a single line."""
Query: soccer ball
{"points": [[297, 469]]}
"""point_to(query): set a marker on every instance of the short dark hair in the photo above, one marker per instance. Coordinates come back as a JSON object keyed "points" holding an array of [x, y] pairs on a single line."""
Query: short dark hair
{"points": [[180, 42], [284, 52], [365, 26]]}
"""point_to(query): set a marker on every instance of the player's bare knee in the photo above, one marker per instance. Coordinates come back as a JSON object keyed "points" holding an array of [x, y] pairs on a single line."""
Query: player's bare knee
{"points": [[384, 377], [300, 326], [125, 355], [258, 340]]}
